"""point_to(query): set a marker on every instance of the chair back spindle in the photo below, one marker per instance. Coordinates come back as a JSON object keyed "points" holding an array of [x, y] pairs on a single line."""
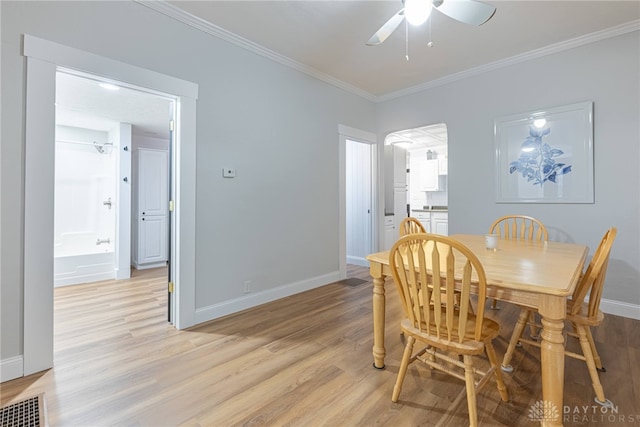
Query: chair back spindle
{"points": [[433, 275], [519, 227], [411, 225]]}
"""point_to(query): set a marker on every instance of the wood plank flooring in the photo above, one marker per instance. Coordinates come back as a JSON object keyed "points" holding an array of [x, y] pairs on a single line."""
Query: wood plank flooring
{"points": [[304, 360]]}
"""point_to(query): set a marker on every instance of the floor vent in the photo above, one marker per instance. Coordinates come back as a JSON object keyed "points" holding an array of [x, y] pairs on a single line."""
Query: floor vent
{"points": [[26, 413]]}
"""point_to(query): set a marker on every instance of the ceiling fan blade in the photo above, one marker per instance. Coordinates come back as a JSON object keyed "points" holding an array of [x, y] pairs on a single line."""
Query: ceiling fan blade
{"points": [[386, 30], [466, 11]]}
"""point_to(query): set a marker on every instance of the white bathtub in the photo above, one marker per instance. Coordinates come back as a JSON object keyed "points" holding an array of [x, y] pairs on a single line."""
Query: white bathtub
{"points": [[78, 259]]}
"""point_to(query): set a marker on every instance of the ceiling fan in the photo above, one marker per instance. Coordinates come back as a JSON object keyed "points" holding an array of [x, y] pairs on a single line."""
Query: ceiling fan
{"points": [[416, 12]]}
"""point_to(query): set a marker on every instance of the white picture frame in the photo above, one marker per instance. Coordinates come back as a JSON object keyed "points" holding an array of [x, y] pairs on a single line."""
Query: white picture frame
{"points": [[545, 156]]}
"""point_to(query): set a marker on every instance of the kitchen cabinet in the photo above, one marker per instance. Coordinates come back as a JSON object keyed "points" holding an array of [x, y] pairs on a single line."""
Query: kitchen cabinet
{"points": [[399, 167], [390, 234], [424, 174], [436, 222], [150, 208], [430, 176], [440, 223], [424, 218], [443, 165], [399, 205], [399, 186], [395, 191]]}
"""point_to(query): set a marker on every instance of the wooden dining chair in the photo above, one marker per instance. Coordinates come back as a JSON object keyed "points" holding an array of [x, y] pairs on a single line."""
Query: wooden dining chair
{"points": [[583, 312], [426, 268], [411, 225], [518, 227]]}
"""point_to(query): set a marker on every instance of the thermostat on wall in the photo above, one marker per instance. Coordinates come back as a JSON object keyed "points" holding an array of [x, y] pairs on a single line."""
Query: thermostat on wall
{"points": [[229, 172]]}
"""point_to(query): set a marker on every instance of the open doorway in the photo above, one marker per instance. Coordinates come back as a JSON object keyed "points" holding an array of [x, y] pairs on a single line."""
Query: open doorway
{"points": [[102, 198], [360, 158], [417, 174], [44, 59]]}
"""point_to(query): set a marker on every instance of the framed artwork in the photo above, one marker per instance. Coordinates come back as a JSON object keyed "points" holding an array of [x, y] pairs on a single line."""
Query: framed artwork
{"points": [[545, 156]]}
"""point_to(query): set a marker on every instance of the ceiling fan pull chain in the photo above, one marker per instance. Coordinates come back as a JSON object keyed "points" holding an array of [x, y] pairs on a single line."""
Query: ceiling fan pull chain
{"points": [[430, 43], [406, 39]]}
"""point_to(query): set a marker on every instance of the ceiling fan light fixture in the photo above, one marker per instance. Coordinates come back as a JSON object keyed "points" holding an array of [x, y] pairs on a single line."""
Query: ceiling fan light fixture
{"points": [[417, 11]]}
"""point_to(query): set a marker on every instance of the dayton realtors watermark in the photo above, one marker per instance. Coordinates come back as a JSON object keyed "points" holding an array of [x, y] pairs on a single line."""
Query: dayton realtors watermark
{"points": [[607, 415]]}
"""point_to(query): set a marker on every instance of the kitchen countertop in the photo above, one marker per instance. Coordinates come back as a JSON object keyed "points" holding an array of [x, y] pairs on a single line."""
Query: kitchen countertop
{"points": [[431, 209]]}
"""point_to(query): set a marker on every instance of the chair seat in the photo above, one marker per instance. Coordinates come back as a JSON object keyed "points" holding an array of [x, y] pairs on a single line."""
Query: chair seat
{"points": [[582, 317], [490, 330]]}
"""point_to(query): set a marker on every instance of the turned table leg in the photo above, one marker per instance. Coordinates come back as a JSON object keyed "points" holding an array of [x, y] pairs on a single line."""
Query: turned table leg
{"points": [[378, 322], [553, 311]]}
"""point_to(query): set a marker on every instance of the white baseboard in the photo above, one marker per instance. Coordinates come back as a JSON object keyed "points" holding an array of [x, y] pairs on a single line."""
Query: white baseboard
{"points": [[619, 308], [11, 368], [254, 299], [149, 265], [123, 273], [357, 261]]}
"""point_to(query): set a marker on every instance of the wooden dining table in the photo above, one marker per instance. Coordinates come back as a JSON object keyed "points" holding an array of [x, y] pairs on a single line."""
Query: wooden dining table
{"points": [[535, 274]]}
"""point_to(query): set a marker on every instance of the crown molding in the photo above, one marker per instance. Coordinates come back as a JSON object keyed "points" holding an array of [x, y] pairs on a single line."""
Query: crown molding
{"points": [[200, 24], [527, 56]]}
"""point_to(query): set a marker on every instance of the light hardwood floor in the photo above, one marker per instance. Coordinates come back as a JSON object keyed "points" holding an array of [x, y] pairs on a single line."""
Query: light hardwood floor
{"points": [[304, 360]]}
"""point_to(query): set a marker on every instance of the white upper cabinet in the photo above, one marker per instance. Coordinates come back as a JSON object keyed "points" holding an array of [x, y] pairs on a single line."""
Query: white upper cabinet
{"points": [[429, 176], [416, 167], [443, 165]]}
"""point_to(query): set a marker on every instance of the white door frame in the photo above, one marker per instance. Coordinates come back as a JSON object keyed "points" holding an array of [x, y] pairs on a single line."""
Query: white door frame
{"points": [[44, 58], [344, 133]]}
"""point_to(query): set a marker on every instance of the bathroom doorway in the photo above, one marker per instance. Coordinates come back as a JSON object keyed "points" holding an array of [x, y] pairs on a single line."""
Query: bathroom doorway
{"points": [[99, 126], [44, 59]]}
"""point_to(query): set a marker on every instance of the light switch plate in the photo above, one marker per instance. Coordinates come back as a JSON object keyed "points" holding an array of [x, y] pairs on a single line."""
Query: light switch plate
{"points": [[229, 172]]}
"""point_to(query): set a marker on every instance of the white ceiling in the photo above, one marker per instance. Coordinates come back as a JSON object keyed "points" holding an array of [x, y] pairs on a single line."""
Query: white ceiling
{"points": [[81, 102], [327, 39], [329, 36], [423, 138]]}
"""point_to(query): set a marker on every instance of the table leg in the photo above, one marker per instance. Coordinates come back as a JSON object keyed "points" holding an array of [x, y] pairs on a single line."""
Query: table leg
{"points": [[378, 322], [552, 356]]}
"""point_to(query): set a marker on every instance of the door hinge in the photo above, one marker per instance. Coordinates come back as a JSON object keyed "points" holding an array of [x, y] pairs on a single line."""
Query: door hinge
{"points": [[171, 126], [171, 287], [170, 205]]}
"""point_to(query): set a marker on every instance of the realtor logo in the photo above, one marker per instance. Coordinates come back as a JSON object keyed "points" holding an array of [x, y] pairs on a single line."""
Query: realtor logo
{"points": [[543, 410]]}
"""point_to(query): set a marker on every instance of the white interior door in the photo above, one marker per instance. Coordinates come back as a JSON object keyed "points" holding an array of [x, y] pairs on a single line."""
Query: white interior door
{"points": [[359, 203]]}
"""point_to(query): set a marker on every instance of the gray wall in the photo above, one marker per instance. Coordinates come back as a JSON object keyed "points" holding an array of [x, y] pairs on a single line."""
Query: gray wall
{"points": [[605, 72], [276, 126]]}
